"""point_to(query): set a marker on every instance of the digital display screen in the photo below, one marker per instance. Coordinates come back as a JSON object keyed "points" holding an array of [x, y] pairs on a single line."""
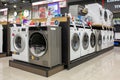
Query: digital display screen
{"points": [[54, 8]]}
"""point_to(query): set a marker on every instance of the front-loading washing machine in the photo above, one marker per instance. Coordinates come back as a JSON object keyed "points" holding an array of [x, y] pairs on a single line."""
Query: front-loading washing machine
{"points": [[110, 38], [103, 39], [19, 43], [104, 17], [74, 43], [1, 38], [106, 38], [92, 40], [85, 41], [98, 40], [45, 46], [13, 32], [112, 33]]}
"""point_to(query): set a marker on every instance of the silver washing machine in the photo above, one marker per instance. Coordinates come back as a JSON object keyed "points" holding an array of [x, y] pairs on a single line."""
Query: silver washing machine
{"points": [[98, 40], [45, 46]]}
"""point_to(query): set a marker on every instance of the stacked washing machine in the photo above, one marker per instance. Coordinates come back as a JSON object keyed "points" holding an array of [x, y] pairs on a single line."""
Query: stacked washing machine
{"points": [[95, 12]]}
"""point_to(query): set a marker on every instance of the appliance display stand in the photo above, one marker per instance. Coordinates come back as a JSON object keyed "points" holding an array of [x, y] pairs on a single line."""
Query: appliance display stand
{"points": [[35, 68]]}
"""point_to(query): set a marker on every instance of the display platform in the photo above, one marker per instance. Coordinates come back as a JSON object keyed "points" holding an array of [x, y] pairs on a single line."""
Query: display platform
{"points": [[35, 68], [87, 57], [2, 55]]}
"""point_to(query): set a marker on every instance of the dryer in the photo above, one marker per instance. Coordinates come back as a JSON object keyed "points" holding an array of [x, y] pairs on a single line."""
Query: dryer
{"points": [[85, 41], [74, 43], [1, 37], [45, 46], [103, 33], [19, 43], [92, 40], [98, 40]]}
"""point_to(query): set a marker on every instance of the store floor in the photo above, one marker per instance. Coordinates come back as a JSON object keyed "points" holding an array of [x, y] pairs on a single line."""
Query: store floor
{"points": [[103, 67]]}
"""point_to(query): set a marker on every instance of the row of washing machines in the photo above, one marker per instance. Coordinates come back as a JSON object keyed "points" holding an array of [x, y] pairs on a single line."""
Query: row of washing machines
{"points": [[84, 41], [36, 45], [42, 45]]}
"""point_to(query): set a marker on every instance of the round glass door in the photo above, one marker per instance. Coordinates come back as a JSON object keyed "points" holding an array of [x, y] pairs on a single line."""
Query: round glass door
{"points": [[38, 44], [99, 39], [92, 40], [103, 38], [19, 43], [105, 15], [85, 41], [75, 43], [110, 37]]}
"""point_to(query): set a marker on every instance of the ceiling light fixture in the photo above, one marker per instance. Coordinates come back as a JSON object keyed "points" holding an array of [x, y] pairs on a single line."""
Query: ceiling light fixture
{"points": [[23, 1], [5, 4], [15, 6]]}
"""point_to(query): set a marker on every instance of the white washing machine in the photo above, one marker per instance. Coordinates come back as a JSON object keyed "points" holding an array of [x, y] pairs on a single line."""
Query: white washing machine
{"points": [[1, 38], [19, 41], [109, 41], [74, 43], [104, 17], [13, 32], [103, 39], [92, 41], [95, 12], [106, 40], [85, 41], [98, 40], [112, 38], [110, 18]]}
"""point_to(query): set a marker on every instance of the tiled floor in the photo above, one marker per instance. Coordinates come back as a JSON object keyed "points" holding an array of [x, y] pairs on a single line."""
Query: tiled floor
{"points": [[103, 67]]}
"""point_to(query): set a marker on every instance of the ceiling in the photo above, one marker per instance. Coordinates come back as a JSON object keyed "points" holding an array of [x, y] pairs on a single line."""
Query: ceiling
{"points": [[7, 3]]}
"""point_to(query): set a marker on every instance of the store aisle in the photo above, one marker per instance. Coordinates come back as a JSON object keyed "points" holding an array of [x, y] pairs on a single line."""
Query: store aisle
{"points": [[103, 67]]}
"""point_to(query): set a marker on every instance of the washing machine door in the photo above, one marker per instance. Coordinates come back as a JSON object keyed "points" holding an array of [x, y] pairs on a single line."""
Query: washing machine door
{"points": [[38, 44], [103, 39], [19, 43], [99, 39], [85, 41], [75, 43], [105, 15], [92, 40]]}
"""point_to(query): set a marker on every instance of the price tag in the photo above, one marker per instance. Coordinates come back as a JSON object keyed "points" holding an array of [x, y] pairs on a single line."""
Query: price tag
{"points": [[49, 20]]}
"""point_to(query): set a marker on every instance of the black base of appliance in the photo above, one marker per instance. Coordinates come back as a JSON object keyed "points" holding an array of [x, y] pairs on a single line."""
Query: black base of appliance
{"points": [[86, 58], [35, 68], [2, 55]]}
